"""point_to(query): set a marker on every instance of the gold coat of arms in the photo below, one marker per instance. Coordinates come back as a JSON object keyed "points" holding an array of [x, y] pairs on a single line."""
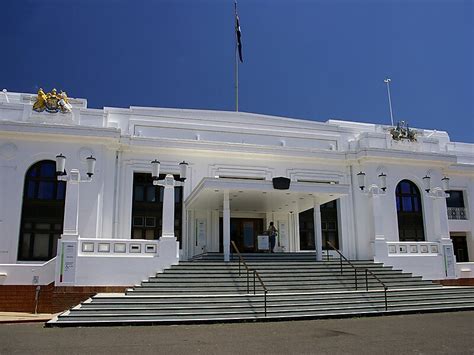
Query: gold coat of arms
{"points": [[52, 102]]}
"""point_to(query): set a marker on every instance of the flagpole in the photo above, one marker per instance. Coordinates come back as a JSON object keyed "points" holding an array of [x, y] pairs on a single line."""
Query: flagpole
{"points": [[236, 63], [387, 81]]}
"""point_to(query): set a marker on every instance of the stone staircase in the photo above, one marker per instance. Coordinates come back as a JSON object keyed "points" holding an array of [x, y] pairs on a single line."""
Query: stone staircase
{"points": [[207, 289]]}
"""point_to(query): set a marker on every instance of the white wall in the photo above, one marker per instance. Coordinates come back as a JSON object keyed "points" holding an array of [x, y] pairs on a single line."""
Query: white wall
{"points": [[28, 273], [218, 143]]}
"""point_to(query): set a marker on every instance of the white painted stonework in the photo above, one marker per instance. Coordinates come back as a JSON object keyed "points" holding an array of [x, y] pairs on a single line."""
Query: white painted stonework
{"points": [[232, 159]]}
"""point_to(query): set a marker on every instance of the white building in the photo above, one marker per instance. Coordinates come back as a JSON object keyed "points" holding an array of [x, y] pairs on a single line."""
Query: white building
{"points": [[111, 226]]}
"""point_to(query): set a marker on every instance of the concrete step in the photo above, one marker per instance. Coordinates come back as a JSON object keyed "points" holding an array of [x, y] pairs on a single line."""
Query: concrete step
{"points": [[233, 298], [271, 302], [271, 307], [211, 291], [254, 314]]}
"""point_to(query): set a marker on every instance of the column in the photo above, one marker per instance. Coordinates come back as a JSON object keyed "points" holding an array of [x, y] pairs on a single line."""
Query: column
{"points": [[71, 204], [380, 248], [168, 208], [318, 235], [226, 226], [441, 232], [378, 215], [441, 223]]}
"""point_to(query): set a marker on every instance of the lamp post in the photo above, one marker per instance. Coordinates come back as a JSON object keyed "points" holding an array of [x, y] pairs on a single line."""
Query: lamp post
{"points": [[71, 210], [169, 183], [440, 223]]}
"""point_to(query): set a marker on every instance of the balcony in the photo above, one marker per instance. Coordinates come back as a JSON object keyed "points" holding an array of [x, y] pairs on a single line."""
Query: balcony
{"points": [[457, 213]]}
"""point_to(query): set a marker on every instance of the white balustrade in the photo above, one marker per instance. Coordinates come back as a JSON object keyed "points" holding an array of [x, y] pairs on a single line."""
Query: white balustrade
{"points": [[118, 247], [413, 248]]}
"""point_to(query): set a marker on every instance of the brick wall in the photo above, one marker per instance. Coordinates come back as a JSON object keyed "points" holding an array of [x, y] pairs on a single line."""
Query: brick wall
{"points": [[52, 299], [457, 282]]}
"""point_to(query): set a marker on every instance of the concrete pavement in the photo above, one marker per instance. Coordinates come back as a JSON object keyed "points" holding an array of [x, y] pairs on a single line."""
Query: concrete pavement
{"points": [[435, 333], [19, 317]]}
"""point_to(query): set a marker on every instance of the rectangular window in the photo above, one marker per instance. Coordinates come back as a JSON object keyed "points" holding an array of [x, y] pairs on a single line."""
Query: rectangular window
{"points": [[150, 234], [151, 193], [151, 222], [455, 199], [137, 233], [41, 246], [147, 208], [138, 193], [25, 246], [138, 221]]}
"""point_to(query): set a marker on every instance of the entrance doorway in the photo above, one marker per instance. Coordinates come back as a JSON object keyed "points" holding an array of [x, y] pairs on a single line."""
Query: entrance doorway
{"points": [[460, 247], [244, 232]]}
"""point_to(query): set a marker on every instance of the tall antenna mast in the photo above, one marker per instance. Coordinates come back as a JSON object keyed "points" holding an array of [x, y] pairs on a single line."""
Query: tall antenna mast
{"points": [[387, 81]]}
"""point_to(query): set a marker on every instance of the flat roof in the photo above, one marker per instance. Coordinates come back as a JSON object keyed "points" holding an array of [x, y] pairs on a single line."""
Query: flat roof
{"points": [[260, 195]]}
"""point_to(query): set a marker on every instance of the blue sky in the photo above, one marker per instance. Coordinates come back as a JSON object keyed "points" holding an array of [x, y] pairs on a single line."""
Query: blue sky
{"points": [[313, 59]]}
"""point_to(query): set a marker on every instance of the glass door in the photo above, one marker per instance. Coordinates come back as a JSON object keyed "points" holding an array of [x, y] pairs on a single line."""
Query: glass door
{"points": [[244, 232]]}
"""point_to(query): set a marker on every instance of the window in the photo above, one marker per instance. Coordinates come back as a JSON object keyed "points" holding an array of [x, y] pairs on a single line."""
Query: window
{"points": [[455, 205], [329, 227], [147, 208], [42, 212], [409, 212], [306, 219], [455, 199], [460, 247]]}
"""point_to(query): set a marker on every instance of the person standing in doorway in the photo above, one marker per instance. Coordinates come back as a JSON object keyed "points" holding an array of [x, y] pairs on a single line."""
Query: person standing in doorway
{"points": [[272, 232]]}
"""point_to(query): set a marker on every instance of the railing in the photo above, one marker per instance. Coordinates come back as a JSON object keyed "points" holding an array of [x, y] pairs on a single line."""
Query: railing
{"points": [[255, 276], [366, 270], [457, 213]]}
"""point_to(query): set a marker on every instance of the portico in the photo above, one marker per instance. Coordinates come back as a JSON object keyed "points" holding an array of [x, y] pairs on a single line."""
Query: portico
{"points": [[231, 197]]}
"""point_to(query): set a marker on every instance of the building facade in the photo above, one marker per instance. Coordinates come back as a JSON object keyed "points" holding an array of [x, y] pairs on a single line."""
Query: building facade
{"points": [[373, 192]]}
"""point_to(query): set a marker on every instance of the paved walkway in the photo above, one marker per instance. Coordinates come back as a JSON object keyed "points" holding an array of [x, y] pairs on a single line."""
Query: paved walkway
{"points": [[18, 317]]}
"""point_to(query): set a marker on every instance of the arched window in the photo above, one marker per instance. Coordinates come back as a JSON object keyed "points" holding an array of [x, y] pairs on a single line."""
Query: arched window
{"points": [[42, 213], [409, 212]]}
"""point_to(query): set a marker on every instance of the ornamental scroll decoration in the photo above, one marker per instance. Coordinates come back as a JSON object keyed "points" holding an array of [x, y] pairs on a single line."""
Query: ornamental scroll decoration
{"points": [[403, 132], [52, 102]]}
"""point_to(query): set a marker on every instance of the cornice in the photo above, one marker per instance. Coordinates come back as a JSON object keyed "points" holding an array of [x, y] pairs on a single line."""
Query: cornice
{"points": [[58, 130], [401, 155]]}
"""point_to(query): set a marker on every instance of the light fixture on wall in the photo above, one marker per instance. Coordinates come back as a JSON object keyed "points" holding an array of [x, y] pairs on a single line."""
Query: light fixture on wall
{"points": [[427, 183], [361, 179], [155, 171], [61, 165], [436, 191]]}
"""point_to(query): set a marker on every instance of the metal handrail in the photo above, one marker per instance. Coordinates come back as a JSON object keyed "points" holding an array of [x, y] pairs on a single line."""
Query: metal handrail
{"points": [[367, 271], [255, 275]]}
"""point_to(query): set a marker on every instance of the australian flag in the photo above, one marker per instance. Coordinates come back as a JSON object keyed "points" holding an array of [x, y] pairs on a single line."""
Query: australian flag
{"points": [[238, 33]]}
